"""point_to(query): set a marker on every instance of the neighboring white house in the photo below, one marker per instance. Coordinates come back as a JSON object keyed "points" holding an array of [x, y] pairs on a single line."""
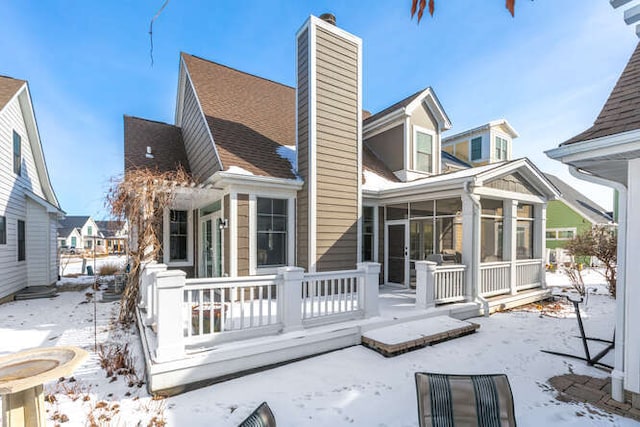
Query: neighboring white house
{"points": [[29, 209], [608, 153], [81, 233], [482, 145]]}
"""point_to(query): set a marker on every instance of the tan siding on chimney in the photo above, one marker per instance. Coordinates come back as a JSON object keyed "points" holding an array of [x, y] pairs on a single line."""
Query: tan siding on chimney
{"points": [[302, 203], [337, 152], [243, 234], [197, 142]]}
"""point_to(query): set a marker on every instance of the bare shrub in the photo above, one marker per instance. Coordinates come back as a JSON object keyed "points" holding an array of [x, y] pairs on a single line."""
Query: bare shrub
{"points": [[141, 198], [109, 269], [116, 360], [600, 242]]}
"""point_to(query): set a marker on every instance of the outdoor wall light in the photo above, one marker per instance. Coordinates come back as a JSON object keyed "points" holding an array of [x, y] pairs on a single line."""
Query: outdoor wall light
{"points": [[223, 223]]}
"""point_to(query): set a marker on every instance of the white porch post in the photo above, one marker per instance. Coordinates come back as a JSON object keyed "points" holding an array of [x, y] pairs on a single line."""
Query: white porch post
{"points": [[471, 244], [169, 333], [425, 284], [148, 299], [632, 272], [509, 236], [368, 295], [290, 297], [539, 239]]}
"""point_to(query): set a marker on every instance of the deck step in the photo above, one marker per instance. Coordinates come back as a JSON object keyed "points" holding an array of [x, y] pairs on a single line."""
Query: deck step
{"points": [[35, 292], [397, 339]]}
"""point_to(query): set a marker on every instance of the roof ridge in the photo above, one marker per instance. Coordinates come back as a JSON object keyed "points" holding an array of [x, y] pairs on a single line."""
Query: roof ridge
{"points": [[396, 104], [150, 120], [237, 71]]}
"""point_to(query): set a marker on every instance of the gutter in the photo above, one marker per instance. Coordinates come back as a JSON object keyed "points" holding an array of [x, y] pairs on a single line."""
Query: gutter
{"points": [[617, 375]]}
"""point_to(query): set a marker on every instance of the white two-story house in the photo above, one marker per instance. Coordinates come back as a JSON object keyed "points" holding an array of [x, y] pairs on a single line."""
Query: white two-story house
{"points": [[29, 209]]}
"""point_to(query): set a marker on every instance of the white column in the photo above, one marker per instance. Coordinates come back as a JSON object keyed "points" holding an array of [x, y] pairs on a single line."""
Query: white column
{"points": [[368, 294], [169, 333], [148, 291], [471, 244], [425, 284], [632, 273], [539, 239], [509, 239], [290, 297]]}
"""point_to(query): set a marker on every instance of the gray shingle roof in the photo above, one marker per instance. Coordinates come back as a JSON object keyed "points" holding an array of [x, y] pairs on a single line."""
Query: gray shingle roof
{"points": [[621, 112], [578, 201]]}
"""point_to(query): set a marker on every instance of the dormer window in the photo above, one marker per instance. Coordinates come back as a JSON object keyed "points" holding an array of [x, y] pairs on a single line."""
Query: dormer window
{"points": [[423, 150], [476, 148], [501, 148]]}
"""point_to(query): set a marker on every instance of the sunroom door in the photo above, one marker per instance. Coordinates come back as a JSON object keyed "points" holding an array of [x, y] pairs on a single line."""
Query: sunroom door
{"points": [[397, 253]]}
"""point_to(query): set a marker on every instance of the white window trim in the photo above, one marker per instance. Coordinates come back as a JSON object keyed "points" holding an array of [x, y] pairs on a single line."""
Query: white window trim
{"points": [[166, 250], [479, 159], [414, 147], [557, 230], [253, 232], [375, 233], [504, 137]]}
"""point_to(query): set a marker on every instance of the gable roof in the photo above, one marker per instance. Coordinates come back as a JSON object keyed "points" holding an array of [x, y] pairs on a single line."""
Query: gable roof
{"points": [[410, 103], [579, 202], [164, 139], [449, 159], [8, 88], [372, 163], [487, 126], [110, 228], [621, 111], [249, 117], [71, 222]]}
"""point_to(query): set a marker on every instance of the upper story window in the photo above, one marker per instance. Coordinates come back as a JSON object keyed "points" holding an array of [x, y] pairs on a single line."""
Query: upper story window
{"points": [[17, 153], [272, 232], [90, 230], [501, 148], [424, 148], [476, 148]]}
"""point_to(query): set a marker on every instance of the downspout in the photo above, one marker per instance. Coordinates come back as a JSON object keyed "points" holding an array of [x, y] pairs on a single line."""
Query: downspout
{"points": [[617, 375], [475, 254]]}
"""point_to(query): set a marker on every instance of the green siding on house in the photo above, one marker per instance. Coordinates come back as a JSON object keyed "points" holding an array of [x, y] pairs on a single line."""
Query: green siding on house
{"points": [[559, 215]]}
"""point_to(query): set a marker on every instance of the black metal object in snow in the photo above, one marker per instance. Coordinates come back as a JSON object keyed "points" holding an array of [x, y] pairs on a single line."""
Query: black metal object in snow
{"points": [[591, 361]]}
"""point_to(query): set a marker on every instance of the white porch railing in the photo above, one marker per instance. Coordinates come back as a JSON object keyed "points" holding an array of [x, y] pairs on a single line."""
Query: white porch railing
{"points": [[330, 294], [200, 312], [449, 283], [528, 274], [439, 284], [495, 278], [221, 305]]}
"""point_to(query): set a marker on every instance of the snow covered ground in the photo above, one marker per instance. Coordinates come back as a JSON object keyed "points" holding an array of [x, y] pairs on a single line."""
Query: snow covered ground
{"points": [[72, 265], [350, 387]]}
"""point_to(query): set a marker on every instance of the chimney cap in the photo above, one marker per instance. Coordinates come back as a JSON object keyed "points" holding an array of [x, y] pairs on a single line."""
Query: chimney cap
{"points": [[328, 17]]}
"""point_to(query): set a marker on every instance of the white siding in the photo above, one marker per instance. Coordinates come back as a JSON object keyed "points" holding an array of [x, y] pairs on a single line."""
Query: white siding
{"points": [[13, 203], [37, 242]]}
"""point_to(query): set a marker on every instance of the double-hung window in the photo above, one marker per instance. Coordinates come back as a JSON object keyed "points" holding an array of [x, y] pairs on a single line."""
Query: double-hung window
{"points": [[368, 227], [178, 235], [501, 148], [271, 232], [424, 142], [3, 230], [22, 252], [17, 153], [476, 148]]}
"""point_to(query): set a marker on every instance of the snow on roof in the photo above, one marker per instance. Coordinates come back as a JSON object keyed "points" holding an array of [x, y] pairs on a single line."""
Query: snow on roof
{"points": [[288, 152]]}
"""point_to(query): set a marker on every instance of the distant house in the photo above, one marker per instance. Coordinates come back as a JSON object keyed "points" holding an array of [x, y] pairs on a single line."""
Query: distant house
{"points": [[86, 235], [115, 235], [572, 214], [29, 209]]}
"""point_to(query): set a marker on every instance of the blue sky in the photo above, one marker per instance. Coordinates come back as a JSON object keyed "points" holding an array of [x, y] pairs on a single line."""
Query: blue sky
{"points": [[548, 70]]}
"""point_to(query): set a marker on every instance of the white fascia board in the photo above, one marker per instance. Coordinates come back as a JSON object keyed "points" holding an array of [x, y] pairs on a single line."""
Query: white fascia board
{"points": [[204, 118], [602, 147], [502, 194], [535, 177], [44, 203], [225, 179], [421, 188], [503, 122], [180, 95], [31, 123], [429, 97], [383, 123]]}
